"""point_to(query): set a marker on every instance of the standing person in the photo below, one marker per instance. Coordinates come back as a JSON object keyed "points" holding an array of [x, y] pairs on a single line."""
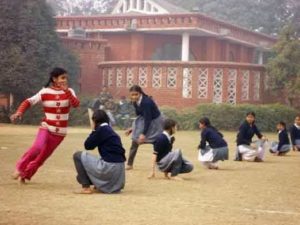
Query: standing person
{"points": [[107, 172], [246, 149], [283, 146], [295, 134], [104, 96], [57, 100], [169, 161], [216, 149], [148, 124]]}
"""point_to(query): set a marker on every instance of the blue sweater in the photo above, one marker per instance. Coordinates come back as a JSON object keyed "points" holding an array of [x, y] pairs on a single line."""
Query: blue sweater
{"points": [[148, 110], [108, 142], [162, 146], [246, 133], [213, 137], [283, 139], [295, 134]]}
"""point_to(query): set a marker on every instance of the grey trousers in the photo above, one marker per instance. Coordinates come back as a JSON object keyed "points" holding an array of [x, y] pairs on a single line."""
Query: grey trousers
{"points": [[181, 166], [132, 153], [82, 176]]}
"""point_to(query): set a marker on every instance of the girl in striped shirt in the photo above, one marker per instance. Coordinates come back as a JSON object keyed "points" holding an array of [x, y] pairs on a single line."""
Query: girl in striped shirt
{"points": [[56, 99]]}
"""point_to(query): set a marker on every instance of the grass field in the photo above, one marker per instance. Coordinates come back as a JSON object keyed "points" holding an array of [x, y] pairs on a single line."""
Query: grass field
{"points": [[239, 193]]}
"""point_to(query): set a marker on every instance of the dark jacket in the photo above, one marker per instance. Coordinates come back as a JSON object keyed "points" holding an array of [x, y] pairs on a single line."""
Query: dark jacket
{"points": [[148, 110], [246, 133], [108, 142]]}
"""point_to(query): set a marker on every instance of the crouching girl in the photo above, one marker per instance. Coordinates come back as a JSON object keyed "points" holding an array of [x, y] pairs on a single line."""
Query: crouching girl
{"points": [[168, 161], [107, 172], [216, 149]]}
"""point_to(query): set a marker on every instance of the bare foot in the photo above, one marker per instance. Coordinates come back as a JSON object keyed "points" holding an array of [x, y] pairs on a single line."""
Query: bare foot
{"points": [[129, 167], [166, 176], [177, 178], [84, 191], [258, 159], [213, 167], [15, 175], [21, 181]]}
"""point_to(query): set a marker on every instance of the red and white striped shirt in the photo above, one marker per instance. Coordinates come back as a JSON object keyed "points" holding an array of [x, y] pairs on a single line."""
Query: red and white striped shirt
{"points": [[56, 104]]}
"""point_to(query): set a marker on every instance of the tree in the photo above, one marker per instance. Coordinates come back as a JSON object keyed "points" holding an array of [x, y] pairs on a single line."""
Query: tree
{"points": [[30, 47], [284, 68], [81, 7], [266, 16]]}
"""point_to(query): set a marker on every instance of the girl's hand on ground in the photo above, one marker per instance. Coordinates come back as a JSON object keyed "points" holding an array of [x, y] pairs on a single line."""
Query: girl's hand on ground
{"points": [[128, 131], [142, 139]]}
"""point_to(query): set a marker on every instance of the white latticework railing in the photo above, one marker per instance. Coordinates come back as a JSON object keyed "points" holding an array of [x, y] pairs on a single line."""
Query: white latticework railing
{"points": [[119, 77], [187, 83], [171, 77], [245, 85], [143, 76], [256, 89], [202, 83], [129, 77], [231, 88], [218, 86], [156, 77]]}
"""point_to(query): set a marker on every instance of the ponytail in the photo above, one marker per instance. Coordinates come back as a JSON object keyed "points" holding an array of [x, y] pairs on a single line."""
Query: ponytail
{"points": [[207, 123], [56, 72], [138, 89]]}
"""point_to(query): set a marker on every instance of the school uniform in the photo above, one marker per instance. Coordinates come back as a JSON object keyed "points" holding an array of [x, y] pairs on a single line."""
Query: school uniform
{"points": [[295, 135], [244, 140], [107, 172], [216, 149], [283, 146], [168, 160], [148, 122]]}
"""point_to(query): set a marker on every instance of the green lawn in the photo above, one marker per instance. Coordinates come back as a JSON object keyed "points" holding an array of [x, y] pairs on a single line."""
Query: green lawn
{"points": [[239, 193]]}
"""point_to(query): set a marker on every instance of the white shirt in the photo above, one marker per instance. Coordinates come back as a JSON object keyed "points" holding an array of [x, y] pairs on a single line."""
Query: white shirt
{"points": [[140, 100], [168, 135]]}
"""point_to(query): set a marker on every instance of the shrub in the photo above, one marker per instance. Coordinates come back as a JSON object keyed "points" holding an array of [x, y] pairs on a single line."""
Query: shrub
{"points": [[229, 117]]}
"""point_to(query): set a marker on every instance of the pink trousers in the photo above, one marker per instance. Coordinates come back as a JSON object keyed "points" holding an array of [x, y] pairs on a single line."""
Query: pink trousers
{"points": [[43, 146]]}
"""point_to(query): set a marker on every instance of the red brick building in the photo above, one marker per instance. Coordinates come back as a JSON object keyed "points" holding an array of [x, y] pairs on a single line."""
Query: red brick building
{"points": [[178, 57]]}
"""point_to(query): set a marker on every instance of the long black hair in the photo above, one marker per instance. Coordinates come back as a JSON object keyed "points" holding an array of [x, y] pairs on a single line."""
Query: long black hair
{"points": [[56, 72], [207, 123], [100, 117], [138, 89]]}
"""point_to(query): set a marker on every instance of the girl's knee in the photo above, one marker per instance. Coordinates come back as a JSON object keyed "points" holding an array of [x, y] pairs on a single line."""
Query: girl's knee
{"points": [[77, 155]]}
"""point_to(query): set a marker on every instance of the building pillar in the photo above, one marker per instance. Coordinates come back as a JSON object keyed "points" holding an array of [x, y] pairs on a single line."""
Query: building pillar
{"points": [[138, 5], [260, 57], [130, 4], [124, 6], [185, 51]]}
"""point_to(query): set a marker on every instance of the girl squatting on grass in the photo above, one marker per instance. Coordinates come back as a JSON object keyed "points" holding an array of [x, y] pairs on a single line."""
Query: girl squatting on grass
{"points": [[295, 134], [107, 172], [169, 161], [57, 99], [148, 124], [216, 149], [246, 149], [283, 145]]}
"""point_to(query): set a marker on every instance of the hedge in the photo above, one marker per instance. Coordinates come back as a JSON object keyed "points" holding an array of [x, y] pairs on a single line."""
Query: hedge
{"points": [[223, 116], [229, 117]]}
